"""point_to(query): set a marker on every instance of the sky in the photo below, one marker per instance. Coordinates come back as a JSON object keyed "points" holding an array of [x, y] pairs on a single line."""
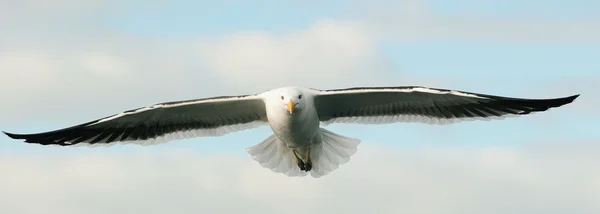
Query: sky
{"points": [[66, 62]]}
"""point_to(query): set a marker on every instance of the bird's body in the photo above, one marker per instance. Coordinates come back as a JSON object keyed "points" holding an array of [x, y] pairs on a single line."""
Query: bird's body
{"points": [[299, 145], [297, 130]]}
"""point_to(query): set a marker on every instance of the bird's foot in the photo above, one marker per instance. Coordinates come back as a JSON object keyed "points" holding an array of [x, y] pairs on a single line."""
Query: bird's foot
{"points": [[305, 166], [308, 165], [301, 164]]}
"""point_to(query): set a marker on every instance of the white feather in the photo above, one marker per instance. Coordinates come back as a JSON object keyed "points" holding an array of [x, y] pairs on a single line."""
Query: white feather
{"points": [[326, 156], [333, 151], [406, 90], [410, 118], [272, 154]]}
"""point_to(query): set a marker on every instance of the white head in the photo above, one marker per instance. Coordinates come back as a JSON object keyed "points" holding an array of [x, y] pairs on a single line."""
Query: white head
{"points": [[290, 99]]}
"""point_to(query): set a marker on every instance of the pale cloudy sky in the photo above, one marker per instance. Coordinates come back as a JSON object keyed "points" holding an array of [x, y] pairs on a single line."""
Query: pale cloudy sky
{"points": [[65, 62]]}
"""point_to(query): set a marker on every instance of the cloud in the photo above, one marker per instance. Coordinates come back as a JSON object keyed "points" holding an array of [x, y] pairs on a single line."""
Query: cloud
{"points": [[543, 178], [65, 57], [106, 73], [406, 20], [327, 54]]}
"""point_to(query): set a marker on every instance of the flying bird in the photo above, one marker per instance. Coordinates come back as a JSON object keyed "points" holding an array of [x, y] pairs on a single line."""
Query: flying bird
{"points": [[299, 144]]}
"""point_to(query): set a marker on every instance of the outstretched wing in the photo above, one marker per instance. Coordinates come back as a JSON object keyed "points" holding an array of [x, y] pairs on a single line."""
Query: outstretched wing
{"points": [[162, 122], [421, 104]]}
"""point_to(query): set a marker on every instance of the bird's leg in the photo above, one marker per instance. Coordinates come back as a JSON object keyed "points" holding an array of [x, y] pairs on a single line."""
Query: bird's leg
{"points": [[308, 164], [299, 161], [303, 165]]}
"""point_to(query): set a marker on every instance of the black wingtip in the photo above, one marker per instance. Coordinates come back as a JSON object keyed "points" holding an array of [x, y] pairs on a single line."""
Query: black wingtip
{"points": [[563, 100], [570, 99], [574, 96], [11, 135]]}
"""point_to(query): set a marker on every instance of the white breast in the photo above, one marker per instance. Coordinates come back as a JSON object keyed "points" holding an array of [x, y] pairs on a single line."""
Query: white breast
{"points": [[296, 130]]}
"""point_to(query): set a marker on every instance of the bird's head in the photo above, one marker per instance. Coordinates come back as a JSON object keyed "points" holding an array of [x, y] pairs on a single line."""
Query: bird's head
{"points": [[291, 99]]}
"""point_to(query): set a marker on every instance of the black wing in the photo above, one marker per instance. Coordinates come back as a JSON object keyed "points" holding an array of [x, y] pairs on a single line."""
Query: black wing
{"points": [[421, 104], [162, 122]]}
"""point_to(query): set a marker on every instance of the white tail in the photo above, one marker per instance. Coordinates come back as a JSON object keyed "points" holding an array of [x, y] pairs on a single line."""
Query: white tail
{"points": [[327, 155], [273, 154]]}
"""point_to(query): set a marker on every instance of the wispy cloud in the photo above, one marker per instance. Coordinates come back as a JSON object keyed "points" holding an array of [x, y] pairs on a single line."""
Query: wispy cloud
{"points": [[75, 76], [549, 178], [327, 54], [53, 49]]}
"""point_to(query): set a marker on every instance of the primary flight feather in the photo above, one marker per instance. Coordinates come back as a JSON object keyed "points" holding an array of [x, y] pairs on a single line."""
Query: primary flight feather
{"points": [[299, 145]]}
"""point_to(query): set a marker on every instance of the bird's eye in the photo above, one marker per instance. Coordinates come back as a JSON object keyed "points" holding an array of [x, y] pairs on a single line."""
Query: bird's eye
{"points": [[281, 97], [300, 96]]}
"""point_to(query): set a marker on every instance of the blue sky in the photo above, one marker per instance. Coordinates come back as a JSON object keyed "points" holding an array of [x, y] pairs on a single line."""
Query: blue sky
{"points": [[554, 9], [557, 55]]}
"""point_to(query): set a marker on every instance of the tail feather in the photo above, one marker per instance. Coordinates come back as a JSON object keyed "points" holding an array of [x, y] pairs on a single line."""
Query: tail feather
{"points": [[274, 155], [327, 154], [333, 151]]}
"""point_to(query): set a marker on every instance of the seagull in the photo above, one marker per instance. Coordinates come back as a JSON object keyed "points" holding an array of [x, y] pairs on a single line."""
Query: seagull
{"points": [[299, 144]]}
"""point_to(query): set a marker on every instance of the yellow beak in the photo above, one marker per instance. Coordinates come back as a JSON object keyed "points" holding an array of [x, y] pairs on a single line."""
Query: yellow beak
{"points": [[290, 106]]}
